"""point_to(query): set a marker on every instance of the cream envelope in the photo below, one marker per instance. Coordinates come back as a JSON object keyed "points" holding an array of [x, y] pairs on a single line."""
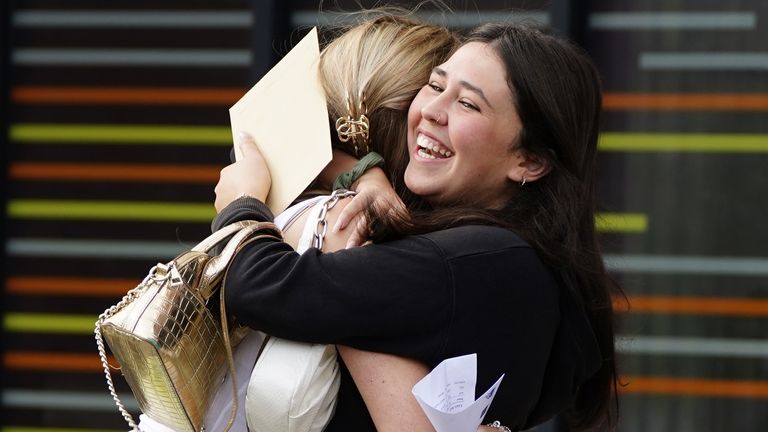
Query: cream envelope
{"points": [[287, 116]]}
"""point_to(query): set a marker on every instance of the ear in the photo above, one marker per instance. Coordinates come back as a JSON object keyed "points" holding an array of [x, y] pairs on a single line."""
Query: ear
{"points": [[528, 166]]}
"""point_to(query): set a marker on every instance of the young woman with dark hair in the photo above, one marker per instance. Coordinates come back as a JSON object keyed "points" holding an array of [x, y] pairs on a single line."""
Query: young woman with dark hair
{"points": [[502, 142]]}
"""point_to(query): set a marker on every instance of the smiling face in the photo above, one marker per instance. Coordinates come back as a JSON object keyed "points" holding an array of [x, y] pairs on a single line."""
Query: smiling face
{"points": [[462, 131]]}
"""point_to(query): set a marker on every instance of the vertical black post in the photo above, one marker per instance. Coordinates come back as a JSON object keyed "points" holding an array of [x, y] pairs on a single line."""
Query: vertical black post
{"points": [[5, 83], [569, 18], [269, 30]]}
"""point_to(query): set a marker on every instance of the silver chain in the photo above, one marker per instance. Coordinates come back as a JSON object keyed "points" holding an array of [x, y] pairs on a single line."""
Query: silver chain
{"points": [[128, 298], [322, 223]]}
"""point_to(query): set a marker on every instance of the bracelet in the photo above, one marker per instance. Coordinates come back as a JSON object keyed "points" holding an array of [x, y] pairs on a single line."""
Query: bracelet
{"points": [[345, 180], [497, 425]]}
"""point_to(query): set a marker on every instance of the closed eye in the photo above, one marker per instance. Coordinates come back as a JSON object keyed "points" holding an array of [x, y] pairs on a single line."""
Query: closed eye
{"points": [[435, 87], [468, 105]]}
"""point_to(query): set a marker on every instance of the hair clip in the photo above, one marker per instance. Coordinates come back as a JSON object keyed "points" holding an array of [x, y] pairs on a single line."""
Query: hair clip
{"points": [[356, 129]]}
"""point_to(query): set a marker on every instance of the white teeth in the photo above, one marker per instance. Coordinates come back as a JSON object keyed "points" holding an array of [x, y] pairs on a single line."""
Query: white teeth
{"points": [[426, 155], [424, 142]]}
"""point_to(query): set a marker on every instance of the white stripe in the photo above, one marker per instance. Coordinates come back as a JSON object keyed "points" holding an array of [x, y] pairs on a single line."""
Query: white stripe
{"points": [[130, 18], [673, 21], [94, 248], [131, 57], [742, 266], [663, 345], [128, 249], [704, 61], [457, 20], [65, 400]]}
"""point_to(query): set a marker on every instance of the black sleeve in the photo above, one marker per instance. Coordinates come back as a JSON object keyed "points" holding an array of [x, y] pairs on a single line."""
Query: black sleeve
{"points": [[393, 297], [243, 208]]}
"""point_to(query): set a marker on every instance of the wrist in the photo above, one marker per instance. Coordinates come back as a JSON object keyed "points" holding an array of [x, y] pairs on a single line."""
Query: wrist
{"points": [[339, 164], [374, 175], [347, 179]]}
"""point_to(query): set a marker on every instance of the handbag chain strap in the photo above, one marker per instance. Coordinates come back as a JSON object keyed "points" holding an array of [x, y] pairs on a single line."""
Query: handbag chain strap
{"points": [[134, 293], [128, 298], [322, 223]]}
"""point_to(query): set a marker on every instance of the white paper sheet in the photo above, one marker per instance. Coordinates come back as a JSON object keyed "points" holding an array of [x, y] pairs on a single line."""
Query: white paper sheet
{"points": [[447, 395]]}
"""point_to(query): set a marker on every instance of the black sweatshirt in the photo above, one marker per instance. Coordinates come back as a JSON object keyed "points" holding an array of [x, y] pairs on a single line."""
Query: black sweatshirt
{"points": [[471, 289]]}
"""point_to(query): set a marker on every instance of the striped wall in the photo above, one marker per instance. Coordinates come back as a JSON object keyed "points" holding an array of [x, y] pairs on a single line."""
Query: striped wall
{"points": [[119, 127], [685, 142]]}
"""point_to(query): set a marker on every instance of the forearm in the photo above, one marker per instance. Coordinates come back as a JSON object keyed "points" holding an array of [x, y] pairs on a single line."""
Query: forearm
{"points": [[317, 298], [385, 382]]}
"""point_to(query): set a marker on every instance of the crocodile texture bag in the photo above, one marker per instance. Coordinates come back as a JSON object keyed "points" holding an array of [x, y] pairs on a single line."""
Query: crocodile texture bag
{"points": [[172, 345]]}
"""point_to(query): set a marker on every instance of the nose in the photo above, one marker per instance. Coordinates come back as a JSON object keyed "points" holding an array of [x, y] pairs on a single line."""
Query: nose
{"points": [[435, 112]]}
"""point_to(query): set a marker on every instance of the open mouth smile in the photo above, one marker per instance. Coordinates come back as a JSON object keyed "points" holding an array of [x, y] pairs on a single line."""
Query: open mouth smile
{"points": [[430, 149]]}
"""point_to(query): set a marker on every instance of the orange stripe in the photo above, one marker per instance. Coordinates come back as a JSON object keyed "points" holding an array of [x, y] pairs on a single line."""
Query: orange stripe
{"points": [[69, 286], [693, 387], [54, 361], [686, 101], [115, 172], [694, 306], [127, 95], [225, 95]]}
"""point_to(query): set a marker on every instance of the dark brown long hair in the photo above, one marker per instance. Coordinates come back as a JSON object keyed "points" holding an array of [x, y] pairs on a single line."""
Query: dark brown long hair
{"points": [[557, 94]]}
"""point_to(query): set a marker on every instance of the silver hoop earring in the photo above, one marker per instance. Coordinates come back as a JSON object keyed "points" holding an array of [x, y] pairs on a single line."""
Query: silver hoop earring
{"points": [[523, 182]]}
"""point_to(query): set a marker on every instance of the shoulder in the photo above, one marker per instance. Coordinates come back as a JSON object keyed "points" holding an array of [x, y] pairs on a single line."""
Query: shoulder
{"points": [[477, 239]]}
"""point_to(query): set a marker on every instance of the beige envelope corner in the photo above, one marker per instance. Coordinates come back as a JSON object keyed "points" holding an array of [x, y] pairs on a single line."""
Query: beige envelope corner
{"points": [[287, 115]]}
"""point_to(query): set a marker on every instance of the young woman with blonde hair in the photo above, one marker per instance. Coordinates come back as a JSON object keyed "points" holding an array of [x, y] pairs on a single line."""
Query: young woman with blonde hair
{"points": [[370, 73]]}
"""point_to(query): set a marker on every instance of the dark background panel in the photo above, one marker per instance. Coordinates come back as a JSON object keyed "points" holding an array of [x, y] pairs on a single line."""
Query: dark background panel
{"points": [[698, 204]]}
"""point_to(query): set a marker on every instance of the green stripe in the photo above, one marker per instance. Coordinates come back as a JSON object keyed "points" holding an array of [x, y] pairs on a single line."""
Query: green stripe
{"points": [[48, 323], [621, 222], [702, 143], [205, 212], [218, 135], [121, 134], [111, 210]]}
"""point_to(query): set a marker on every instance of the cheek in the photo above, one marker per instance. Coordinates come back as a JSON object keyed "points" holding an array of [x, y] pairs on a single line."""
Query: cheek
{"points": [[414, 116], [469, 134], [414, 111]]}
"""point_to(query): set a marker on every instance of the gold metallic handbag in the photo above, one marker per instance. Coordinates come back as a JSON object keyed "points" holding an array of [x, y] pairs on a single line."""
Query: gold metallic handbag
{"points": [[172, 346]]}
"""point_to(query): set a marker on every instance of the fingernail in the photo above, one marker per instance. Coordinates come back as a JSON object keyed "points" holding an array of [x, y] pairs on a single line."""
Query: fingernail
{"points": [[244, 135]]}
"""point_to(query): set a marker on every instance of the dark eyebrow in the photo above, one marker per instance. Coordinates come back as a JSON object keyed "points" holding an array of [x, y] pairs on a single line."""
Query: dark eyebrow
{"points": [[466, 85]]}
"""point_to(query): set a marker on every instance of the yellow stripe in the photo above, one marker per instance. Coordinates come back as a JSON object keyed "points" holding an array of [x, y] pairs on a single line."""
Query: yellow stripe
{"points": [[111, 210], [48, 323], [622, 222], [121, 134], [693, 142]]}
